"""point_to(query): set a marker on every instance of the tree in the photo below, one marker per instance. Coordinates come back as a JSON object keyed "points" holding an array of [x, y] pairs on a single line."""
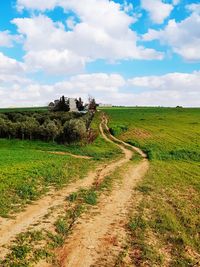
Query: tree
{"points": [[52, 130], [92, 104], [11, 128], [62, 105], [30, 127], [79, 104], [3, 128], [74, 130]]}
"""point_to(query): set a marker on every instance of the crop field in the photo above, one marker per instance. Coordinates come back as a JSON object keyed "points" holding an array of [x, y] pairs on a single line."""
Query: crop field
{"points": [[28, 170], [165, 229]]}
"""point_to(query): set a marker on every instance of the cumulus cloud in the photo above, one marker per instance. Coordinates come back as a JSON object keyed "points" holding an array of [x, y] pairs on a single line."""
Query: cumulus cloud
{"points": [[7, 39], [168, 90], [158, 11], [183, 37], [105, 34], [10, 65], [54, 61], [194, 8], [31, 93], [170, 82], [36, 4]]}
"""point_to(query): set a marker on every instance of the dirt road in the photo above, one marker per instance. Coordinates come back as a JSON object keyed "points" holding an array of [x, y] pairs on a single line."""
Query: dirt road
{"points": [[87, 242], [98, 239]]}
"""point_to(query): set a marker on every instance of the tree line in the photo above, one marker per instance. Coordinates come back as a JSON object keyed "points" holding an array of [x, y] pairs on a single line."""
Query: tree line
{"points": [[60, 127]]}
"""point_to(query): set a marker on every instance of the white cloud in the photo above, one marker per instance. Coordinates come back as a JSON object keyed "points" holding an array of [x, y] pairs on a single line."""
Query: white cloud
{"points": [[7, 39], [128, 7], [71, 23], [93, 35], [10, 65], [168, 90], [183, 37], [175, 2], [36, 4], [54, 61], [157, 10], [30, 93], [194, 8], [182, 82]]}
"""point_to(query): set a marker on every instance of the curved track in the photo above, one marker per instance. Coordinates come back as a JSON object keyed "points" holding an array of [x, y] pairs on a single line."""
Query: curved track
{"points": [[98, 238]]}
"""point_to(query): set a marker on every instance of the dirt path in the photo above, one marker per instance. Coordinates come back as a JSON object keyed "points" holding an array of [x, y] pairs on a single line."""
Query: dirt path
{"points": [[98, 238], [34, 213], [68, 154]]}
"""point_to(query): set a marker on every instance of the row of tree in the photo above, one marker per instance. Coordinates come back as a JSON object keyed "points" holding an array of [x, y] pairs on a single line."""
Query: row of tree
{"points": [[61, 127]]}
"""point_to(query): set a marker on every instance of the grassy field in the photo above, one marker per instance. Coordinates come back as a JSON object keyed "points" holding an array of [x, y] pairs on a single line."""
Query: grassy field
{"points": [[27, 169], [165, 229], [38, 109]]}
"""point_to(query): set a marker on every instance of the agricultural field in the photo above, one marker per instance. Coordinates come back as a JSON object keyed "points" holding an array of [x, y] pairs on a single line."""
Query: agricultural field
{"points": [[164, 231], [28, 169], [32, 109], [107, 200]]}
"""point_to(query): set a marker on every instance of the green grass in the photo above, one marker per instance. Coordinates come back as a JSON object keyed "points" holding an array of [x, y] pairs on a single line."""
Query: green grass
{"points": [[37, 109], [27, 170], [168, 212]]}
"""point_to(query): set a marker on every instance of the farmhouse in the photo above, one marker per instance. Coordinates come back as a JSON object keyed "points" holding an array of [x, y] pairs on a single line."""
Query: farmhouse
{"points": [[73, 105], [67, 104], [101, 105]]}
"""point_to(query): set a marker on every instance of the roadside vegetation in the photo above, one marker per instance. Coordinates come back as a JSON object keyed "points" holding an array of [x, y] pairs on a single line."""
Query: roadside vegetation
{"points": [[62, 127], [164, 231]]}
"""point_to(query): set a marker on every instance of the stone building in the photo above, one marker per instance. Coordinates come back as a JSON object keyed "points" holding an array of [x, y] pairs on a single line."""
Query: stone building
{"points": [[73, 104]]}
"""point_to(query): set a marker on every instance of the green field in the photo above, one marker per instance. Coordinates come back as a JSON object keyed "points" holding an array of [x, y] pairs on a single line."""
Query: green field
{"points": [[32, 109], [164, 231], [27, 170]]}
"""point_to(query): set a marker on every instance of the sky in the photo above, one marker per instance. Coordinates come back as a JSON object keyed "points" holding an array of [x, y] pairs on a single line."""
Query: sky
{"points": [[122, 52]]}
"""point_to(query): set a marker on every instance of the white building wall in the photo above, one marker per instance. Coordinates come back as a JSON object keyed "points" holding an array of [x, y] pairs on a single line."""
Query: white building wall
{"points": [[72, 104]]}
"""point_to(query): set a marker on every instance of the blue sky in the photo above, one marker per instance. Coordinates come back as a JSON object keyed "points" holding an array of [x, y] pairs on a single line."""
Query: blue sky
{"points": [[134, 52]]}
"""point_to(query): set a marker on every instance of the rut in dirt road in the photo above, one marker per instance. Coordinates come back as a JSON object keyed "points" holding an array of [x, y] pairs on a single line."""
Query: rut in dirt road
{"points": [[35, 213], [97, 236]]}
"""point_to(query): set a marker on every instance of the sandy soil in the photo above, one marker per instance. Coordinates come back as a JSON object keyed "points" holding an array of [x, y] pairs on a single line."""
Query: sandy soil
{"points": [[68, 154]]}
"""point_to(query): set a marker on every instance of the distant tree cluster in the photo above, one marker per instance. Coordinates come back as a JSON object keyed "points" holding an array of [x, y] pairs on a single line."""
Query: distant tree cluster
{"points": [[61, 127]]}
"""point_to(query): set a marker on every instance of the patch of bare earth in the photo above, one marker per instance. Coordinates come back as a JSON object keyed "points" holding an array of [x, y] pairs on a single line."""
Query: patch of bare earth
{"points": [[137, 133], [68, 154]]}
